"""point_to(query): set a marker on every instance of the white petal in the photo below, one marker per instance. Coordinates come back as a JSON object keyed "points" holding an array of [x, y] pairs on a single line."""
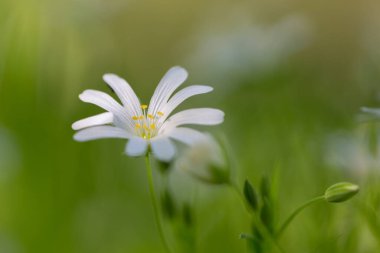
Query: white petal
{"points": [[163, 149], [100, 119], [198, 116], [106, 102], [168, 84], [186, 135], [136, 146], [100, 99], [124, 91], [101, 132], [181, 96]]}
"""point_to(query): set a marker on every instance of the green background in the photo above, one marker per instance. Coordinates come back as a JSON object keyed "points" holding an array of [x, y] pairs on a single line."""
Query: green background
{"points": [[290, 75]]}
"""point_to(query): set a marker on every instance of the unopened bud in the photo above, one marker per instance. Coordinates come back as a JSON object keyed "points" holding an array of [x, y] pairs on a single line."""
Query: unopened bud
{"points": [[205, 162], [341, 192]]}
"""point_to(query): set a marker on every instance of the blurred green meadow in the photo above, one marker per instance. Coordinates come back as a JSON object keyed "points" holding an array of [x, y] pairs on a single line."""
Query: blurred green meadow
{"points": [[291, 77]]}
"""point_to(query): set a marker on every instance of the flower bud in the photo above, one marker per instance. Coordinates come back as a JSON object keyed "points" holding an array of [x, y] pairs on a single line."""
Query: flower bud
{"points": [[205, 161], [341, 192]]}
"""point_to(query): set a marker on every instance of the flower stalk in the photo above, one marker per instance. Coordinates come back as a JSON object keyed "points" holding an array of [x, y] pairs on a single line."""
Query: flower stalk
{"points": [[296, 212], [336, 193], [154, 203]]}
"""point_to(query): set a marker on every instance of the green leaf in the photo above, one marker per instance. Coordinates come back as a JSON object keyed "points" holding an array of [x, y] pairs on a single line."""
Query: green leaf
{"points": [[250, 195], [267, 215], [265, 188]]}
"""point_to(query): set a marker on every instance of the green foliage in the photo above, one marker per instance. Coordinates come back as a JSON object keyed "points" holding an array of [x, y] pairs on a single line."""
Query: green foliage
{"points": [[250, 196], [265, 188], [267, 215]]}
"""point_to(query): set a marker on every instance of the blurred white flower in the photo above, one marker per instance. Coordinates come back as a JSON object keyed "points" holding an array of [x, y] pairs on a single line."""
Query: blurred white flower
{"points": [[205, 161], [375, 112], [245, 49], [145, 125], [368, 114], [351, 152]]}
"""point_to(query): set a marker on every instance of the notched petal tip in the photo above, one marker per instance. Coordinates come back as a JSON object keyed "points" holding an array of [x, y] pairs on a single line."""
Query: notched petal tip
{"points": [[84, 95], [80, 96], [216, 116], [78, 137], [177, 72], [75, 126], [179, 69], [209, 88], [219, 114], [107, 77]]}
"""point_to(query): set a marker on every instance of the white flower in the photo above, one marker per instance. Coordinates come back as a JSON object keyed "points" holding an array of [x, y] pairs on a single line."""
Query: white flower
{"points": [[351, 152], [145, 125]]}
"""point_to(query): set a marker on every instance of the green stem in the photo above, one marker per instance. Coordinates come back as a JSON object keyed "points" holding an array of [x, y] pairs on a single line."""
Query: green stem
{"points": [[295, 212], [154, 203], [262, 229]]}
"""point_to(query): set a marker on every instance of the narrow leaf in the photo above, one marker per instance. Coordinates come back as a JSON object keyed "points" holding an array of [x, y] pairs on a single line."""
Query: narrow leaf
{"points": [[250, 195]]}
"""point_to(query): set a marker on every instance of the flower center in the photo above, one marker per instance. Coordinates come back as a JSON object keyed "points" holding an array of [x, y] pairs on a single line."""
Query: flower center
{"points": [[147, 125]]}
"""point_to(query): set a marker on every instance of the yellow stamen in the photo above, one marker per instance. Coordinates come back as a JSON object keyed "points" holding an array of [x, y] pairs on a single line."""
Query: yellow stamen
{"points": [[146, 125]]}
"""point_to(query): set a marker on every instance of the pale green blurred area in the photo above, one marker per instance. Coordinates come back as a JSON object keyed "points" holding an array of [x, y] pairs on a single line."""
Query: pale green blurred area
{"points": [[291, 77]]}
